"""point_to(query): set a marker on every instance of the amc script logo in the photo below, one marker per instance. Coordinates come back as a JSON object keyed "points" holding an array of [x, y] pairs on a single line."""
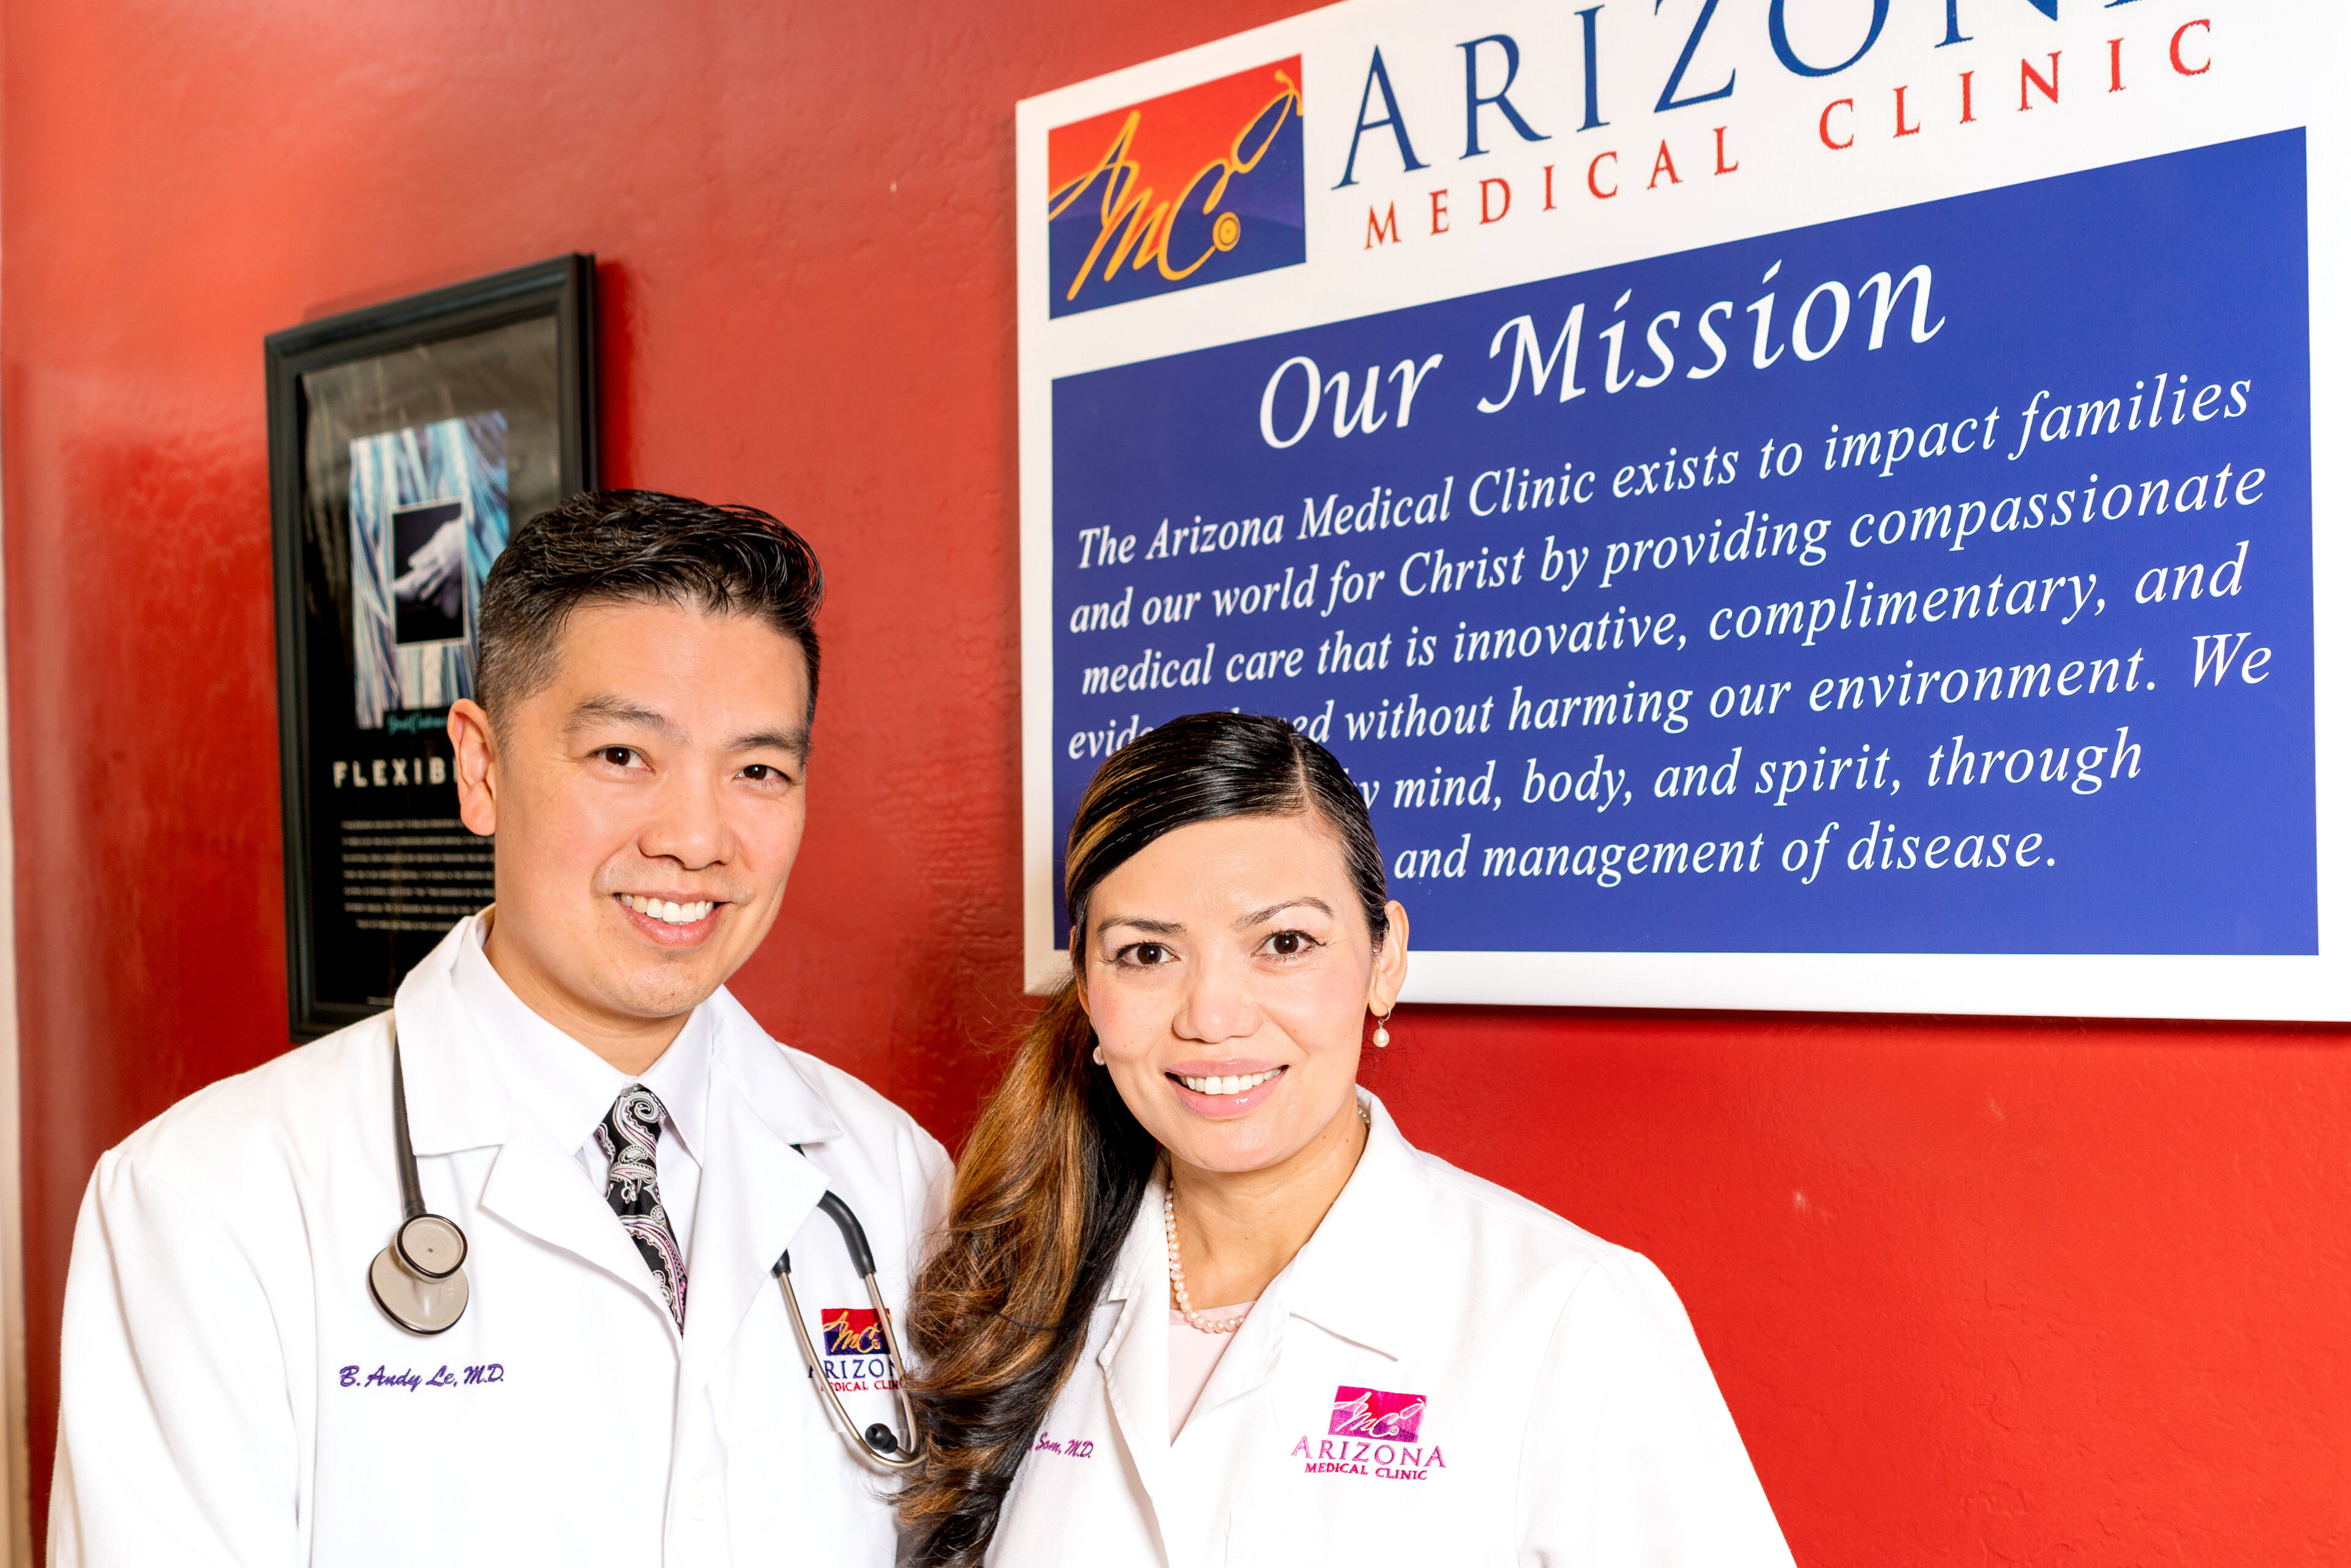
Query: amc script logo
{"points": [[1200, 185], [1376, 1414], [852, 1330], [855, 1358]]}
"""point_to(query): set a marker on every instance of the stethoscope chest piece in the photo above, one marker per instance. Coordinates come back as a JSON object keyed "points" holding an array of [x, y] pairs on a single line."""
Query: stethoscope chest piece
{"points": [[416, 1302], [419, 1281], [430, 1246]]}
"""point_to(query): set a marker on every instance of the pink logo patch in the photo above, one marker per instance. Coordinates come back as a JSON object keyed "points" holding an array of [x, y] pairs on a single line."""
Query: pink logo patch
{"points": [[1376, 1413]]}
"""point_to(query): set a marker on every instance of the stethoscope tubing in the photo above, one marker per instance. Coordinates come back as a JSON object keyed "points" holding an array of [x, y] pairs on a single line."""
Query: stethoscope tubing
{"points": [[906, 1452], [403, 1150], [419, 1281]]}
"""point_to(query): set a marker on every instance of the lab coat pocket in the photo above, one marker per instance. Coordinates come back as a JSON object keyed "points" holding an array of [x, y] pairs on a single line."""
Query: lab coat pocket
{"points": [[1262, 1532], [1278, 1524]]}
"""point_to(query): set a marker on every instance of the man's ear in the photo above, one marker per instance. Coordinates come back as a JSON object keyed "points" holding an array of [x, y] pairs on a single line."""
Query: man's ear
{"points": [[477, 746]]}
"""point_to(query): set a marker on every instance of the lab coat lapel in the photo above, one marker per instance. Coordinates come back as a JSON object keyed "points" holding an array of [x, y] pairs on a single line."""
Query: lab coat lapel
{"points": [[1356, 1277], [1352, 1278], [1253, 1356], [457, 1097], [1134, 1357], [538, 1189], [457, 1100], [758, 1189]]}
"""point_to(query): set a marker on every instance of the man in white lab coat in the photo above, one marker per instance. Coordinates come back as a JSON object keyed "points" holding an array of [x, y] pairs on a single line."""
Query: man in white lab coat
{"points": [[625, 1149]]}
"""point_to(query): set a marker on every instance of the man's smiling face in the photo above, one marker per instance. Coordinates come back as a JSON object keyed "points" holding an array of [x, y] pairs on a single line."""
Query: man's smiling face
{"points": [[648, 803]]}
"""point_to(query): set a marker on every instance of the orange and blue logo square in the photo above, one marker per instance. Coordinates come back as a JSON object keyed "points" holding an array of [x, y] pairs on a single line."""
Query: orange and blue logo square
{"points": [[852, 1330], [1194, 187], [1376, 1414]]}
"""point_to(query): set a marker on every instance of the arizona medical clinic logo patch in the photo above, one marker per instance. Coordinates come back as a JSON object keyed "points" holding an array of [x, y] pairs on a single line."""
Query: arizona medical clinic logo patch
{"points": [[1373, 1434], [1375, 1413], [1196, 187], [852, 1330]]}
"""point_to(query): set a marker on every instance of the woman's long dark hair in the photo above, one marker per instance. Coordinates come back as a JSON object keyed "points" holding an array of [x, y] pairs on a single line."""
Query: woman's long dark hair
{"points": [[1049, 1183]]}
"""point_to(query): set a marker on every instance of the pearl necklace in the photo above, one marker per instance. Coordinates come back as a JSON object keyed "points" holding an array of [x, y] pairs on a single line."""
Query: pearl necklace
{"points": [[1175, 1261]]}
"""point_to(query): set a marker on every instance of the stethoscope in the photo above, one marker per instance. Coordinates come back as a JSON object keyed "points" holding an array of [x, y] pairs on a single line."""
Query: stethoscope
{"points": [[419, 1282]]}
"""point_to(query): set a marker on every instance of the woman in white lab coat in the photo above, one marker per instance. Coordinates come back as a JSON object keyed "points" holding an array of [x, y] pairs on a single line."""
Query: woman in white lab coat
{"points": [[1199, 1302]]}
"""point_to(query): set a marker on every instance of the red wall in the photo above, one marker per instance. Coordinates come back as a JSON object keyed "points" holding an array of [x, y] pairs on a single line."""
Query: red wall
{"points": [[1977, 1293]]}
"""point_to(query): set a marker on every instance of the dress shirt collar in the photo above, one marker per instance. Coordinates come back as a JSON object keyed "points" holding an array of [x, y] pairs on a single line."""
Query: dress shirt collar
{"points": [[680, 1079], [560, 1082]]}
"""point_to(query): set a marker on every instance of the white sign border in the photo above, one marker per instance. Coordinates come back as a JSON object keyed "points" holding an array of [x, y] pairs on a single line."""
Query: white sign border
{"points": [[2303, 42]]}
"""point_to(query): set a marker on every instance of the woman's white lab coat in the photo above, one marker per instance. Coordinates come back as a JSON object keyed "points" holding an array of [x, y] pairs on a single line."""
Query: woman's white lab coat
{"points": [[231, 1393], [1446, 1375]]}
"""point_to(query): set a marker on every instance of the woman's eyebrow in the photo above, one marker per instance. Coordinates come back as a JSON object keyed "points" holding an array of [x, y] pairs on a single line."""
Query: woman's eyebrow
{"points": [[1260, 916], [1150, 927]]}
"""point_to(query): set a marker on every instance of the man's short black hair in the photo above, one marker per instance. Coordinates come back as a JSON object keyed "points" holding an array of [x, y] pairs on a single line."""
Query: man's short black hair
{"points": [[610, 547]]}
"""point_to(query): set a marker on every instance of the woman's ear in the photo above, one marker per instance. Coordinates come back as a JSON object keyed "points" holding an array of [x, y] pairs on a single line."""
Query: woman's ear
{"points": [[1390, 964]]}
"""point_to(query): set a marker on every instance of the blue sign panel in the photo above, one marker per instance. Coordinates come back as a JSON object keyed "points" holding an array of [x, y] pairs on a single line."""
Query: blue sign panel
{"points": [[1935, 581]]}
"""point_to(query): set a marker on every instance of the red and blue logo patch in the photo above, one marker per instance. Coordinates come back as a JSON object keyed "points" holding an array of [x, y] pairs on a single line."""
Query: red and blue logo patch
{"points": [[1376, 1414], [1194, 187], [852, 1330]]}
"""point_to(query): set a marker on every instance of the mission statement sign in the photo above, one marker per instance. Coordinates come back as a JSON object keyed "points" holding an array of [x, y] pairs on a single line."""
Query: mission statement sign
{"points": [[1775, 506]]}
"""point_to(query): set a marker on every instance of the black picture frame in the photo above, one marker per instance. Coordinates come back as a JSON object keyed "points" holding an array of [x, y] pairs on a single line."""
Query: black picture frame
{"points": [[406, 440]]}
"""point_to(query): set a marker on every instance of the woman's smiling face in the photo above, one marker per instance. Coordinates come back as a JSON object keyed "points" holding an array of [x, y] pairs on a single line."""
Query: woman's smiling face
{"points": [[1227, 969]]}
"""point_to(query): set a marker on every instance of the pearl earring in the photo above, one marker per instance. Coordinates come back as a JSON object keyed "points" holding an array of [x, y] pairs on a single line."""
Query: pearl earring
{"points": [[1380, 1035], [1098, 1058]]}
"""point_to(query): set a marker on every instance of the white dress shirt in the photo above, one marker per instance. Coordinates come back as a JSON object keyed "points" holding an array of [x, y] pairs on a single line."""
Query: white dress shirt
{"points": [[569, 1090]]}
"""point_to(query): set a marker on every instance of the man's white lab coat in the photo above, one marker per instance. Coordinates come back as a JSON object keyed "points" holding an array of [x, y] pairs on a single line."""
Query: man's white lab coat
{"points": [[232, 1394]]}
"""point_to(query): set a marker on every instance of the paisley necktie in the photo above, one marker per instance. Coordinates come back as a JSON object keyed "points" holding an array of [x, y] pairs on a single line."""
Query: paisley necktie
{"points": [[627, 1136]]}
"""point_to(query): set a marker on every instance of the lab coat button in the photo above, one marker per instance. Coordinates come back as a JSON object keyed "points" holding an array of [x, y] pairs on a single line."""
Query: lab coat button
{"points": [[701, 1503]]}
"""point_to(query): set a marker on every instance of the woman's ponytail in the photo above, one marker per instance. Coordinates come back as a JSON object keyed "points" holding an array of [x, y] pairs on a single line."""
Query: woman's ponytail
{"points": [[1044, 1196]]}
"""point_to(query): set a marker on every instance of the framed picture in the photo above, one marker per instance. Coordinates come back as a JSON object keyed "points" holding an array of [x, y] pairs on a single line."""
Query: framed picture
{"points": [[405, 440]]}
